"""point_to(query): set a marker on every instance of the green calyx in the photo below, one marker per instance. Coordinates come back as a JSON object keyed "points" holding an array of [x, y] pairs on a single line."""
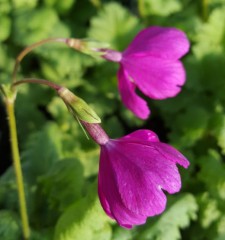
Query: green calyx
{"points": [[88, 46], [78, 107]]}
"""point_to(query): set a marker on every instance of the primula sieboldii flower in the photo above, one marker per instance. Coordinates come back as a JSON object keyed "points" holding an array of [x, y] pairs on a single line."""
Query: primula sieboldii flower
{"points": [[133, 173], [150, 63]]}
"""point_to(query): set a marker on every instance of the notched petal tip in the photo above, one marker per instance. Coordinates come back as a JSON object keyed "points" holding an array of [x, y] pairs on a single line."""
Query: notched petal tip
{"points": [[172, 154]]}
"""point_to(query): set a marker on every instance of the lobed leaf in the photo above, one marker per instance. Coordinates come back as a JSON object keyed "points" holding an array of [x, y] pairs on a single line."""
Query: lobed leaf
{"points": [[177, 216]]}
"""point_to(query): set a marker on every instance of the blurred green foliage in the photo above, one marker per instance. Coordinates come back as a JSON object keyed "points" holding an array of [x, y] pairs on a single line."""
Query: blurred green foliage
{"points": [[60, 165]]}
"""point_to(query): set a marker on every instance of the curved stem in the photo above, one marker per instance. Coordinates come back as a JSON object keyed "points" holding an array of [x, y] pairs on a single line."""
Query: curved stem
{"points": [[29, 49], [17, 167], [38, 81]]}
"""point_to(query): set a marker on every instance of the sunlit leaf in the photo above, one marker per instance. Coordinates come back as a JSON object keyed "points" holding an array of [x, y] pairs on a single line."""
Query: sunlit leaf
{"points": [[160, 7], [41, 152], [176, 217], [83, 220], [9, 226], [106, 26]]}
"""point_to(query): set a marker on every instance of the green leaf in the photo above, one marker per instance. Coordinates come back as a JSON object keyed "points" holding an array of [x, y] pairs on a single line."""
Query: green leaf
{"points": [[64, 65], [213, 75], [189, 126], [10, 228], [83, 220], [46, 234], [30, 29], [42, 150], [220, 237], [106, 26], [61, 6], [209, 210], [221, 135], [177, 216], [8, 190], [212, 174], [89, 159], [64, 177], [6, 63], [122, 234], [160, 7], [24, 4], [5, 27], [55, 190], [5, 6], [221, 228], [210, 37], [28, 100]]}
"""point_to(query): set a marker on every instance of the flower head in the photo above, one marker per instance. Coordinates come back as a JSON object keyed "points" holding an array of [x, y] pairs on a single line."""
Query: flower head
{"points": [[150, 63], [134, 172]]}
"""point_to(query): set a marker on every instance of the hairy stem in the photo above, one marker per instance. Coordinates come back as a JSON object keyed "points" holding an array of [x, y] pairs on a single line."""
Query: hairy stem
{"points": [[17, 167], [29, 49], [38, 81]]}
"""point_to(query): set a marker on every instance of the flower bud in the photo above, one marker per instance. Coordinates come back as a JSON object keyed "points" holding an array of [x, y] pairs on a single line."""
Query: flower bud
{"points": [[87, 46], [78, 107]]}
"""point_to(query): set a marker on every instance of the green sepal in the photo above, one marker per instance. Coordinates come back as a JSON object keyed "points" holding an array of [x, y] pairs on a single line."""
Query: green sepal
{"points": [[78, 107], [84, 112], [92, 47], [88, 46], [78, 120]]}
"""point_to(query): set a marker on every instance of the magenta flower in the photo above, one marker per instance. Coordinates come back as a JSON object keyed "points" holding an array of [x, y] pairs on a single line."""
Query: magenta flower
{"points": [[150, 63], [134, 172]]}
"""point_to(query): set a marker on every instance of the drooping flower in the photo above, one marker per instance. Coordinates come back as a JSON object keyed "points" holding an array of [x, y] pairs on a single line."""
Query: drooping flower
{"points": [[151, 64], [133, 173]]}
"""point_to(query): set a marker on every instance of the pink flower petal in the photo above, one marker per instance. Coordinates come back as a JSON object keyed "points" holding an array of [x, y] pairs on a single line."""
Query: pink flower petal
{"points": [[142, 135], [142, 174], [130, 99], [171, 154], [134, 172], [159, 42], [102, 198], [156, 78], [109, 193]]}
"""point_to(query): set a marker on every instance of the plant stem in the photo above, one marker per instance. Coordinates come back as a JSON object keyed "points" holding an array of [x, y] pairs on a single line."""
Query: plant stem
{"points": [[17, 167], [38, 81], [29, 49]]}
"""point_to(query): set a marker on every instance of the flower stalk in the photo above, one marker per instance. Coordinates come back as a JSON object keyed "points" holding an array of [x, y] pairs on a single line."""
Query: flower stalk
{"points": [[29, 49], [38, 81], [17, 167]]}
